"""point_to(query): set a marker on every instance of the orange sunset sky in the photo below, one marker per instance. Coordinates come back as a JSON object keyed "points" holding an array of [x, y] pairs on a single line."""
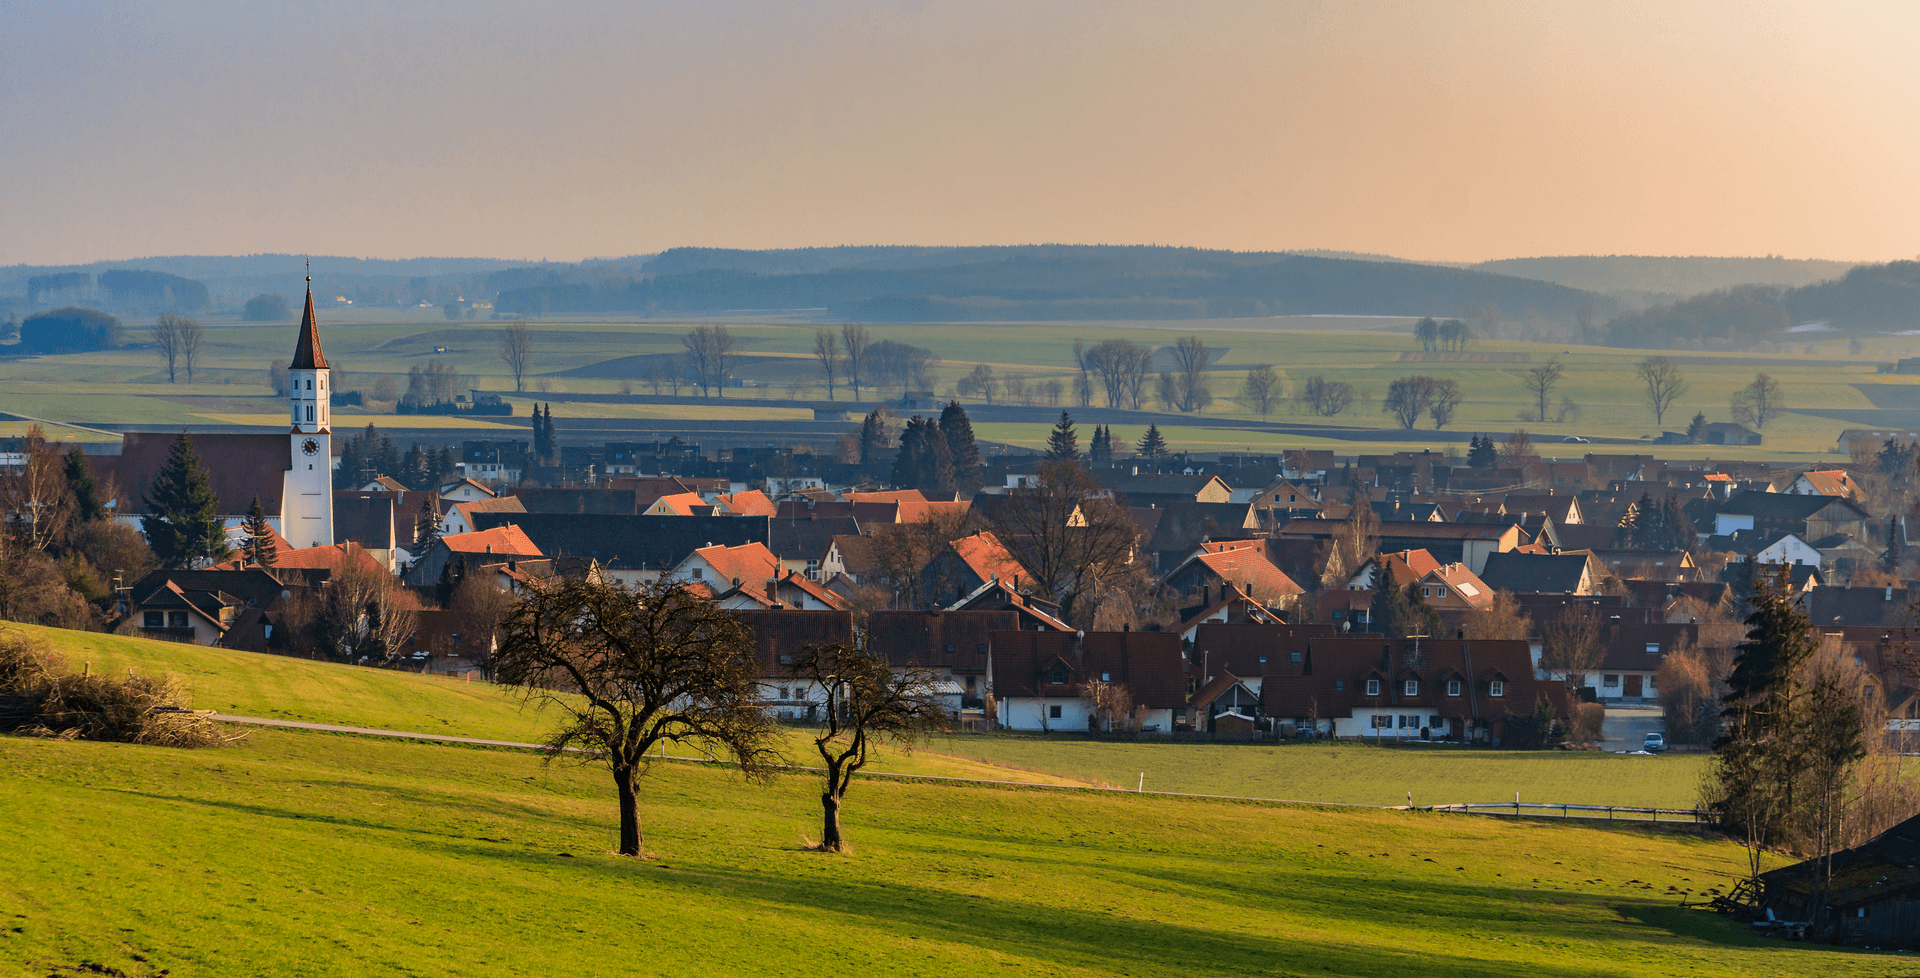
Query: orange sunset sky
{"points": [[1433, 130]]}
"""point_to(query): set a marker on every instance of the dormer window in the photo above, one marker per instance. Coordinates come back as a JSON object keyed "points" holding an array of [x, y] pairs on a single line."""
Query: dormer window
{"points": [[1373, 687], [1058, 677], [1497, 688], [1453, 687], [1412, 687]]}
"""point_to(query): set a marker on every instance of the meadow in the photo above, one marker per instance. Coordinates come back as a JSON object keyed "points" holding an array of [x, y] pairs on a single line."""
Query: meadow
{"points": [[305, 853], [129, 385]]}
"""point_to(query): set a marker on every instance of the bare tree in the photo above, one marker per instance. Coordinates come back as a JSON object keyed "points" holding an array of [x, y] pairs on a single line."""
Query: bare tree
{"points": [[1122, 368], [865, 701], [826, 349], [854, 343], [1759, 402], [1068, 532], [1539, 381], [1190, 360], [629, 669], [979, 382], [1571, 645], [34, 495], [1262, 389], [1109, 706], [516, 350], [1664, 385], [1408, 398], [1083, 380], [1353, 544], [711, 355], [1445, 400], [901, 365], [1500, 620], [176, 339], [1326, 398], [903, 552]]}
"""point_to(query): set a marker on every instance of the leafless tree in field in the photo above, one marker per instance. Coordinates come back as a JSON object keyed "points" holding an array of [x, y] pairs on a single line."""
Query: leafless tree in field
{"points": [[1664, 385], [1190, 360], [826, 349], [177, 339], [854, 343], [1262, 389], [1540, 382], [516, 350], [865, 701], [1759, 402], [1122, 368], [630, 669], [710, 356], [1445, 400]]}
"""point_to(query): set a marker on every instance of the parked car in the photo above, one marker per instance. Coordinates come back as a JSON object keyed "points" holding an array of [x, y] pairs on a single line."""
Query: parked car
{"points": [[1654, 743], [1576, 440]]}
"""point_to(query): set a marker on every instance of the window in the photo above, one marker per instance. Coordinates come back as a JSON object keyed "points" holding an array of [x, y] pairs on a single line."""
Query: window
{"points": [[1433, 722], [1453, 687], [1439, 592], [1413, 687], [1263, 659], [1408, 723], [1866, 692], [1610, 682], [1058, 676], [1053, 713], [156, 619], [176, 619], [1294, 657], [1382, 723], [1106, 677], [784, 658], [1426, 592], [981, 648], [309, 383], [1653, 648], [698, 573], [1373, 687], [949, 648], [1497, 688], [1339, 684]]}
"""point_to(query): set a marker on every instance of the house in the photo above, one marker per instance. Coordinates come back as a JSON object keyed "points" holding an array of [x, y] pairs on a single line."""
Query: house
{"points": [[1561, 573], [802, 545], [1770, 547], [722, 567], [1367, 688], [460, 516], [1224, 705], [752, 502], [494, 461], [1241, 564], [963, 565], [1811, 517], [1872, 897], [371, 521], [1182, 525], [1163, 490], [200, 607], [1229, 605], [1444, 587], [1253, 651], [953, 646], [852, 558], [681, 504], [1728, 433], [628, 549], [471, 549], [1861, 607], [1873, 440], [1562, 507], [779, 636], [1825, 482], [1634, 651], [1039, 679], [465, 490], [1450, 543], [385, 483]]}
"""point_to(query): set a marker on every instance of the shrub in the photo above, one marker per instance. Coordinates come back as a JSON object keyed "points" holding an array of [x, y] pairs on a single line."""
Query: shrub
{"points": [[69, 330], [40, 697]]}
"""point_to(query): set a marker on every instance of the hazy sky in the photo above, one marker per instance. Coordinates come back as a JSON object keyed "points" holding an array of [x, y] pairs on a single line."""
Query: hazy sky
{"points": [[1429, 129]]}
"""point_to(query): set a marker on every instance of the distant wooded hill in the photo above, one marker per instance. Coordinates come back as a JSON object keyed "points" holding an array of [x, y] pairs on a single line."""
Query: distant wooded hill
{"points": [[1044, 282], [1867, 299], [1640, 279]]}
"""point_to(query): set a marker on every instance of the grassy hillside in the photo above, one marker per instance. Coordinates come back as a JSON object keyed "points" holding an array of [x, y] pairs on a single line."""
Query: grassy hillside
{"points": [[1351, 773], [313, 854]]}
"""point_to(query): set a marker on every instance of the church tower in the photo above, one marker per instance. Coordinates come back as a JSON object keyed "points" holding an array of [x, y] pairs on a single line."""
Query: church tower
{"points": [[306, 507]]}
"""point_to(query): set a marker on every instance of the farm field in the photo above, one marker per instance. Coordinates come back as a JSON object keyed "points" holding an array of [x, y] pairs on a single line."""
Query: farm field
{"points": [[128, 385], [299, 853], [1349, 773]]}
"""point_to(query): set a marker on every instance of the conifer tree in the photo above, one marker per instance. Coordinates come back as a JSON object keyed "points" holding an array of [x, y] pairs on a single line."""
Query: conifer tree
{"points": [[1063, 444], [86, 493], [1152, 445], [958, 430], [1758, 763], [182, 521], [1482, 453], [426, 528], [1388, 616], [1697, 428], [259, 548], [1102, 444], [924, 461], [1890, 557], [873, 437], [539, 437]]}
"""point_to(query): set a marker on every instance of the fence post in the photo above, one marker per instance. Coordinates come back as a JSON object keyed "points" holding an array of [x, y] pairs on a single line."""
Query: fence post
{"points": [[1516, 805]]}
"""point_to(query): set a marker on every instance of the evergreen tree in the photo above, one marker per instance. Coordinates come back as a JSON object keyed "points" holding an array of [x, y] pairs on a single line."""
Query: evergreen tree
{"points": [[539, 436], [1697, 428], [86, 493], [426, 528], [451, 574], [413, 468], [1063, 444], [387, 459], [1483, 453], [442, 466], [1678, 529], [873, 437], [958, 430], [259, 548], [924, 461], [1636, 525], [353, 463], [1421, 618], [1390, 612], [182, 520], [1758, 763], [1152, 445]]}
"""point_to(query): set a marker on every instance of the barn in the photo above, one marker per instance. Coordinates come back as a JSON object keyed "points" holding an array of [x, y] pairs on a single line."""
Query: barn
{"points": [[1874, 894]]}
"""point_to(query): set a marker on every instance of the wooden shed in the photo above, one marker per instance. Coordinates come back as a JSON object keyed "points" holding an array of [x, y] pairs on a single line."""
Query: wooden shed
{"points": [[1874, 895]]}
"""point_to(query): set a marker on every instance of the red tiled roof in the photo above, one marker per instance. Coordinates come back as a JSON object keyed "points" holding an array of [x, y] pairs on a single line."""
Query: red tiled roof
{"points": [[752, 564], [1243, 567], [681, 503], [1149, 664], [984, 553], [316, 558], [752, 502], [506, 540]]}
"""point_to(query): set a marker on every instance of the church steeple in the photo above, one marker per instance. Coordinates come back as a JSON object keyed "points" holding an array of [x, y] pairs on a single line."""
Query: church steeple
{"points": [[306, 352]]}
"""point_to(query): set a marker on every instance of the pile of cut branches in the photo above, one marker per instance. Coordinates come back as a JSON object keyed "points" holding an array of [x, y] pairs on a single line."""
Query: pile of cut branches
{"points": [[40, 697]]}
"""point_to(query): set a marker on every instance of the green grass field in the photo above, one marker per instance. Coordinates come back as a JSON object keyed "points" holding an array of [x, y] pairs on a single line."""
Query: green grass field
{"points": [[300, 853], [1349, 773], [129, 385]]}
